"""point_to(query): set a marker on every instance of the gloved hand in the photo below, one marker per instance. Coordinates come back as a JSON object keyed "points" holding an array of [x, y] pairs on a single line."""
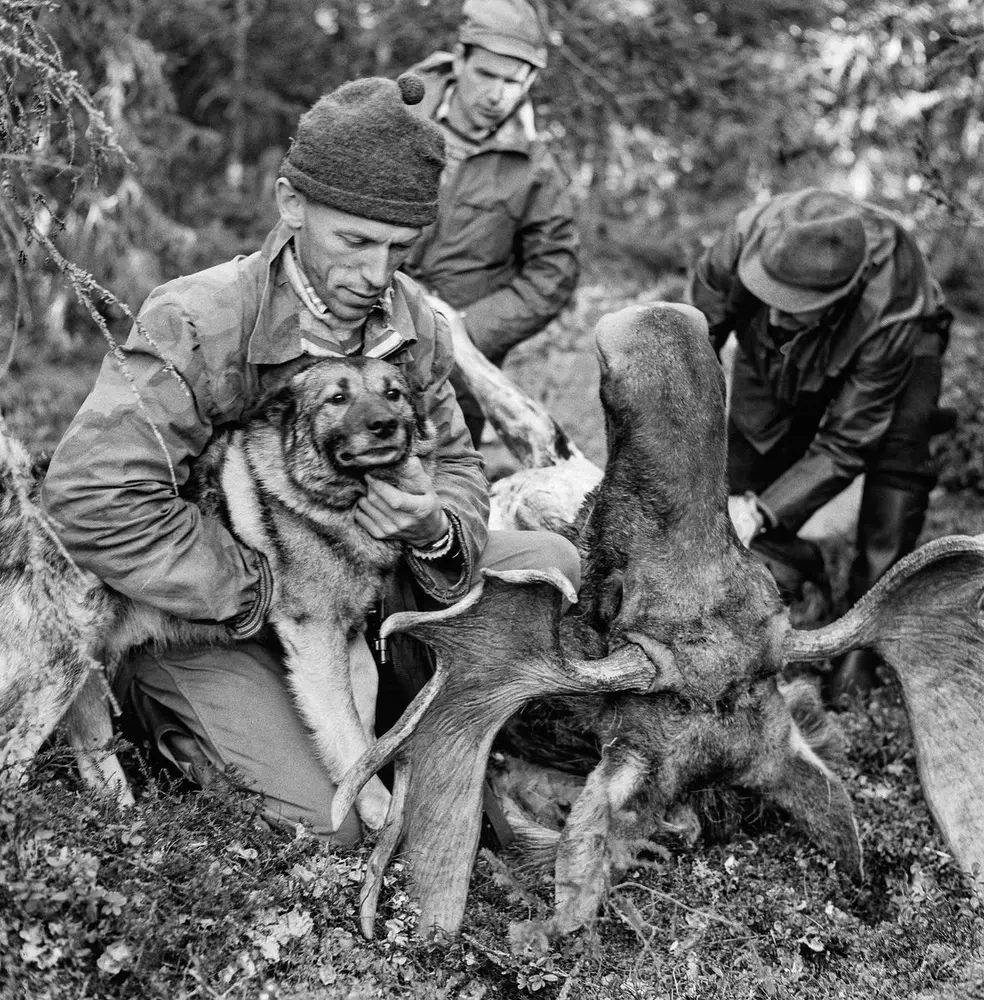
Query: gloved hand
{"points": [[747, 516]]}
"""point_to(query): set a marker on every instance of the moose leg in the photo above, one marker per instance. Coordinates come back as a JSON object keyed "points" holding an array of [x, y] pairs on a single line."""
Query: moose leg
{"points": [[583, 857]]}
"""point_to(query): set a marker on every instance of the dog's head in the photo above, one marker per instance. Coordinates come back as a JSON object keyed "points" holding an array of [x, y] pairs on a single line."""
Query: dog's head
{"points": [[356, 414]]}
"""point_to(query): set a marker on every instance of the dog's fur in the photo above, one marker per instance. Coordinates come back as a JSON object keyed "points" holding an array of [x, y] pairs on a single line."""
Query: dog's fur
{"points": [[285, 483]]}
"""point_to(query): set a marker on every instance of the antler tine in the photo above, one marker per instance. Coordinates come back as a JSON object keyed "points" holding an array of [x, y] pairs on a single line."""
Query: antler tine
{"points": [[442, 746], [938, 570], [388, 745], [924, 618], [386, 845]]}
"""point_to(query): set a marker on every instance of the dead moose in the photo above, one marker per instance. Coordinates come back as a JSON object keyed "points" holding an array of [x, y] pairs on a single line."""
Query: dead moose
{"points": [[683, 638]]}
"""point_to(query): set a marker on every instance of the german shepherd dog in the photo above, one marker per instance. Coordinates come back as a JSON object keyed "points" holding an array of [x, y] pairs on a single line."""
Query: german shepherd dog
{"points": [[285, 482]]}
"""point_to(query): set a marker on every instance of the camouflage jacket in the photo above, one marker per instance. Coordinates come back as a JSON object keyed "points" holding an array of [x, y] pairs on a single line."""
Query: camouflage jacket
{"points": [[842, 374], [504, 246], [225, 332]]}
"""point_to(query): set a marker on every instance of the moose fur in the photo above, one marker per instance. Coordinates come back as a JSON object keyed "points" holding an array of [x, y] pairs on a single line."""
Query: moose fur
{"points": [[676, 654], [672, 607]]}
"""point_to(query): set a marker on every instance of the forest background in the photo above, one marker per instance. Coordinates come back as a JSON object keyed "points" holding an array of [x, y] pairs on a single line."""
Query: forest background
{"points": [[139, 140]]}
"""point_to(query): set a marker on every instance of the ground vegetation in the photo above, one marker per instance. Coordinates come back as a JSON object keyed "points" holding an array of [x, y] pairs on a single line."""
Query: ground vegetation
{"points": [[139, 140]]}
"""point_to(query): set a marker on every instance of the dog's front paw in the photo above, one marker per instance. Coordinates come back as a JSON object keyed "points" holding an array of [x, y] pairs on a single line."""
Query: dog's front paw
{"points": [[373, 804]]}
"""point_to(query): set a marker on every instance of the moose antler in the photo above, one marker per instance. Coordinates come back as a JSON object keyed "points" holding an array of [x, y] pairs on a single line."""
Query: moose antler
{"points": [[496, 649], [692, 624], [925, 618]]}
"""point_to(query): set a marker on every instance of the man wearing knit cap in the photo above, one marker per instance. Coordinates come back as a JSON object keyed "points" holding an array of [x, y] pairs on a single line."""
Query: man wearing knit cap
{"points": [[357, 186], [840, 328], [503, 250]]}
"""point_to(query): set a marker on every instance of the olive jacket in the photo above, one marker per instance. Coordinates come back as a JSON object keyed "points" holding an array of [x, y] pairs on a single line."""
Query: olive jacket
{"points": [[844, 373], [504, 246], [203, 349]]}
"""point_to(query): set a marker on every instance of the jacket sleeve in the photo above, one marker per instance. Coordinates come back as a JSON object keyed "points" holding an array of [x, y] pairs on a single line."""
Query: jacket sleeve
{"points": [[711, 281], [853, 424], [547, 273], [459, 478], [110, 488]]}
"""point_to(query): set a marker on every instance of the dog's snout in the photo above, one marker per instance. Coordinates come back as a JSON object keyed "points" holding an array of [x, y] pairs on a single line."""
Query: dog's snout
{"points": [[382, 427]]}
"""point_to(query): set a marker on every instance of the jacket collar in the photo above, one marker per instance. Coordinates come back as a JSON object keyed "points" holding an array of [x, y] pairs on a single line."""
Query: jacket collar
{"points": [[288, 324]]}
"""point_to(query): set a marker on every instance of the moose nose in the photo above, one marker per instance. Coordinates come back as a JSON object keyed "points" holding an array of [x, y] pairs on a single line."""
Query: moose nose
{"points": [[382, 428]]}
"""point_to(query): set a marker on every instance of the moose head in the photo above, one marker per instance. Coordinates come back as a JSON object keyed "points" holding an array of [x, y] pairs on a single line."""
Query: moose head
{"points": [[684, 634]]}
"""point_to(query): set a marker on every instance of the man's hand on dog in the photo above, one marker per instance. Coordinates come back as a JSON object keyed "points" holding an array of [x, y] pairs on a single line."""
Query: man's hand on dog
{"points": [[413, 514]]}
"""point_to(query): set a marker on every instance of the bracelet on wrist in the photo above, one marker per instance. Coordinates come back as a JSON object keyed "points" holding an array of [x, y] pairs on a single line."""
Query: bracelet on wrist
{"points": [[437, 549]]}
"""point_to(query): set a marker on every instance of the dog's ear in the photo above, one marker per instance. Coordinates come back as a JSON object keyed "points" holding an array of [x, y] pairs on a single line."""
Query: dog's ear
{"points": [[278, 401], [276, 405]]}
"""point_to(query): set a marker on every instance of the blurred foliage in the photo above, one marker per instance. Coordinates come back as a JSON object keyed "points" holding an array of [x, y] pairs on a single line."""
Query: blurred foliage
{"points": [[141, 138], [960, 454]]}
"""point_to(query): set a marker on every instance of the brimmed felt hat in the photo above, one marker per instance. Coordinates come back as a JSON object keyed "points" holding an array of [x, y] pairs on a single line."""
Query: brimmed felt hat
{"points": [[507, 27], [809, 251], [361, 149]]}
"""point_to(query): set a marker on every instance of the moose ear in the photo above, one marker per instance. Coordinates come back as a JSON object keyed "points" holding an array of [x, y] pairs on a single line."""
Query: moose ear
{"points": [[788, 773], [924, 619]]}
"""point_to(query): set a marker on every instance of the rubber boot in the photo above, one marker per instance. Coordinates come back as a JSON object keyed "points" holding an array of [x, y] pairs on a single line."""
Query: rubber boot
{"points": [[889, 524]]}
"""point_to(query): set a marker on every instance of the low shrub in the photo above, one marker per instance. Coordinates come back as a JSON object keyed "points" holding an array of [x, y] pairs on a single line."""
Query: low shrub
{"points": [[191, 895]]}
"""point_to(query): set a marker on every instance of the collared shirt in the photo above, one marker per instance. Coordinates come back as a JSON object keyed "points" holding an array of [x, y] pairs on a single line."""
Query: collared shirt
{"points": [[376, 338], [290, 319]]}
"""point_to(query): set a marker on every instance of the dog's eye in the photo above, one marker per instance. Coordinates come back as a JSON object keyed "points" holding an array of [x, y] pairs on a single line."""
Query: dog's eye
{"points": [[338, 399], [393, 394]]}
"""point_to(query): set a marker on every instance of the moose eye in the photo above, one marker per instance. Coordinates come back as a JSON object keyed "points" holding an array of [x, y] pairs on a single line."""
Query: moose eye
{"points": [[393, 394]]}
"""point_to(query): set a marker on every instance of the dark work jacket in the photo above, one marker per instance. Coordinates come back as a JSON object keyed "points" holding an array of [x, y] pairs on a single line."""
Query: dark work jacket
{"points": [[504, 246], [844, 374]]}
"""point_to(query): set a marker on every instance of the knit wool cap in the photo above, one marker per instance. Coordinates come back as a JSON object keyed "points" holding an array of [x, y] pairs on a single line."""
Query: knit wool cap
{"points": [[361, 149], [809, 251], [507, 27]]}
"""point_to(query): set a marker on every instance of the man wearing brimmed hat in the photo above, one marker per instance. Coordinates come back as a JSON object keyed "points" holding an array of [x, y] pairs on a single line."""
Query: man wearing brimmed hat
{"points": [[503, 250], [840, 330], [356, 188]]}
